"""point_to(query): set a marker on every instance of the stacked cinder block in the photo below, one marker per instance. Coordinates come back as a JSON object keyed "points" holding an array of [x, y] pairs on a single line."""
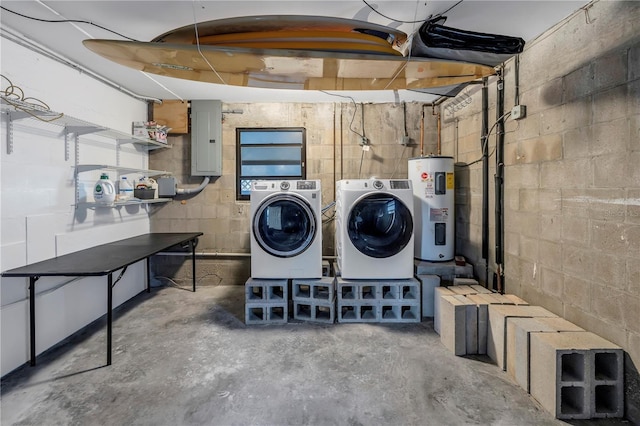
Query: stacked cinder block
{"points": [[266, 301], [447, 271], [519, 332], [378, 301], [497, 327], [577, 375], [428, 283], [314, 299]]}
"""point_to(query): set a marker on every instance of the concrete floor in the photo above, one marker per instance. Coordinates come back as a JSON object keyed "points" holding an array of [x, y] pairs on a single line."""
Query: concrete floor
{"points": [[183, 358]]}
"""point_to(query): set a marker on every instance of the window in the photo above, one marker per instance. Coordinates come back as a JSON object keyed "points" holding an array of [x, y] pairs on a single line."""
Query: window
{"points": [[273, 153]]}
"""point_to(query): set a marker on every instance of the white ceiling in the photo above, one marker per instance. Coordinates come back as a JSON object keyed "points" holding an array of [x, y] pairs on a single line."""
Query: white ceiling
{"points": [[144, 20]]}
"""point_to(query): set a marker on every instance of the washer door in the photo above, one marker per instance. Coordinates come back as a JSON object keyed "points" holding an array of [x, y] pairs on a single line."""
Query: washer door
{"points": [[380, 225], [284, 225]]}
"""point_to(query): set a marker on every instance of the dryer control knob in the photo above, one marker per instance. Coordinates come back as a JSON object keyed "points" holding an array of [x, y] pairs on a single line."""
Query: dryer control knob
{"points": [[378, 184], [285, 186]]}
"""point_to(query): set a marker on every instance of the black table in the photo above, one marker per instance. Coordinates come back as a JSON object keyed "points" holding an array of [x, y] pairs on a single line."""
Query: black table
{"points": [[102, 260]]}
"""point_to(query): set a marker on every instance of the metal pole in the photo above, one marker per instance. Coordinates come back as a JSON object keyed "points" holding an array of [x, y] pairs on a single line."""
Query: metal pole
{"points": [[485, 178], [109, 315], [32, 319], [193, 263]]}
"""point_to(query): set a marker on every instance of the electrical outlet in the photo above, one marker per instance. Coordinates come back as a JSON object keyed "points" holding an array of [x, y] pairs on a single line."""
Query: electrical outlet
{"points": [[364, 141], [518, 112]]}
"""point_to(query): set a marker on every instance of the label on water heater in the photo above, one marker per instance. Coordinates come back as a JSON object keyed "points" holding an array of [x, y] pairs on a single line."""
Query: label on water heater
{"points": [[450, 181], [439, 215]]}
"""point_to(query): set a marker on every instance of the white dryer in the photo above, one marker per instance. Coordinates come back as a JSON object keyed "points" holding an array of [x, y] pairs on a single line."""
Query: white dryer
{"points": [[374, 228], [286, 229]]}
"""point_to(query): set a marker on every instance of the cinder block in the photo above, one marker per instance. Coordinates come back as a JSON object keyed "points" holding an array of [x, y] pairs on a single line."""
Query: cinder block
{"points": [[326, 269], [462, 289], [576, 375], [357, 290], [322, 289], [483, 320], [471, 325], [479, 289], [607, 388], [357, 311], [518, 343], [429, 283], [399, 311], [464, 281], [438, 293], [266, 290], [453, 324], [266, 313], [314, 311], [515, 299], [497, 336]]}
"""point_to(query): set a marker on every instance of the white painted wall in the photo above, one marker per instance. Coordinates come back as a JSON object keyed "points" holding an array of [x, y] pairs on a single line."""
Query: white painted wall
{"points": [[37, 196]]}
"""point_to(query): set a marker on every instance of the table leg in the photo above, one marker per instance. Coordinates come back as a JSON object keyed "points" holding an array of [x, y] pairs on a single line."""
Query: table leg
{"points": [[32, 319], [193, 263], [148, 276], [109, 315]]}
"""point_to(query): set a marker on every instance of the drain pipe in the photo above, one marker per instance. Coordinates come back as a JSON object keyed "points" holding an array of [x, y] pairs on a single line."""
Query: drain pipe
{"points": [[499, 184], [485, 178]]}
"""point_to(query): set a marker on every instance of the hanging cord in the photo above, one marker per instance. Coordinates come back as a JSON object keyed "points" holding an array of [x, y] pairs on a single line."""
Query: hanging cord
{"points": [[410, 43], [68, 21], [355, 105], [486, 139], [195, 26], [14, 96]]}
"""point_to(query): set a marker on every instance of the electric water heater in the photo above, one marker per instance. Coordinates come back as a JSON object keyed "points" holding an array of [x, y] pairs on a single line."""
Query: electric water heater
{"points": [[432, 178]]}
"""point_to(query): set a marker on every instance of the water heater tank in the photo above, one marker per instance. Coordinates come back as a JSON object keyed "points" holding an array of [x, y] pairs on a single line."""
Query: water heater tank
{"points": [[432, 178]]}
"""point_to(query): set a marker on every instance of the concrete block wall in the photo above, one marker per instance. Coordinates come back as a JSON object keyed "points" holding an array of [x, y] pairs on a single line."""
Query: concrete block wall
{"points": [[333, 153], [572, 181]]}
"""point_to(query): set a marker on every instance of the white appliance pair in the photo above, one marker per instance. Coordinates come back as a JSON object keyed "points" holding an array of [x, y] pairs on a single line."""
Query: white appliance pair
{"points": [[374, 228], [286, 229]]}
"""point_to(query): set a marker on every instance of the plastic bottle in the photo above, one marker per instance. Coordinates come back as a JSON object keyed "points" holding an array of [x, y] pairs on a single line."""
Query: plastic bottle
{"points": [[125, 190], [104, 191]]}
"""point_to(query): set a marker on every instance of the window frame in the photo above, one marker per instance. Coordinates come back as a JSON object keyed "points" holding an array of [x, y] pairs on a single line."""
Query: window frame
{"points": [[239, 146]]}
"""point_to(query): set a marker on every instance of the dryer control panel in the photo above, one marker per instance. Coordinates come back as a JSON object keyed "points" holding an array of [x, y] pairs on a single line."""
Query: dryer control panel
{"points": [[306, 184]]}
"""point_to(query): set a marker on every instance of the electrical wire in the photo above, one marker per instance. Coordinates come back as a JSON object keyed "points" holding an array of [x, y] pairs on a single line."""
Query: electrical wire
{"points": [[68, 21], [14, 96], [195, 26], [355, 109], [485, 140], [389, 18], [404, 148]]}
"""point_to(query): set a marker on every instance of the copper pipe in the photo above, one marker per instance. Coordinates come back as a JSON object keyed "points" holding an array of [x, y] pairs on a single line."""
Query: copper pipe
{"points": [[422, 133], [438, 118]]}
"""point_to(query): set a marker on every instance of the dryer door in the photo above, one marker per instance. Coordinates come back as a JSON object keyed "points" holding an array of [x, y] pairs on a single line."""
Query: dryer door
{"points": [[380, 225], [284, 225]]}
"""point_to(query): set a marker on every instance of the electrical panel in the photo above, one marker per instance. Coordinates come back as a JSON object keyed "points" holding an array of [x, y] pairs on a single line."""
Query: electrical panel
{"points": [[206, 138]]}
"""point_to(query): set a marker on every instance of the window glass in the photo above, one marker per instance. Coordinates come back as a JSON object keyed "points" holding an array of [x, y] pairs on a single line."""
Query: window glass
{"points": [[273, 153]]}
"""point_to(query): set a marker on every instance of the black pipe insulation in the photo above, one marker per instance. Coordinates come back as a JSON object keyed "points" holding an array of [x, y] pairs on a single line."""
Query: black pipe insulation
{"points": [[499, 182], [485, 177]]}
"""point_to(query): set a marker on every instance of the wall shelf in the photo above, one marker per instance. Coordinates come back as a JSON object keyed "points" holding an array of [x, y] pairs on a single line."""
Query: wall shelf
{"points": [[134, 202], [120, 170], [17, 110]]}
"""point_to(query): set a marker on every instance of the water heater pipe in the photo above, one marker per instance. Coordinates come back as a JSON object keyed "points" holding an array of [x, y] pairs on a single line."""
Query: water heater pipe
{"points": [[438, 118]]}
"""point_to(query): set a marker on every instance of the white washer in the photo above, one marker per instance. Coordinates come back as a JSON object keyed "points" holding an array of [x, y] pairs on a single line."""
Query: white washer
{"points": [[286, 229], [374, 228]]}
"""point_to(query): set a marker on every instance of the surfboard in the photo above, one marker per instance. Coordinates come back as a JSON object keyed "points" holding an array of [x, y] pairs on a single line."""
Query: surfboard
{"points": [[281, 23], [287, 68]]}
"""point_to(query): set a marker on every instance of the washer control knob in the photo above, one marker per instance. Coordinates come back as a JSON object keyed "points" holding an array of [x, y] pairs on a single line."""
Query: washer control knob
{"points": [[377, 184], [285, 186]]}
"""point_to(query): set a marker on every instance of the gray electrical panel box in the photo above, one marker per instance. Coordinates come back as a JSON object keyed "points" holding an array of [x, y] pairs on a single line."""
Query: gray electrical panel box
{"points": [[206, 138]]}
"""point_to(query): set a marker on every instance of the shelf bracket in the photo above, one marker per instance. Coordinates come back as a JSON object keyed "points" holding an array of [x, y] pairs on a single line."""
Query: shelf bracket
{"points": [[11, 117]]}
